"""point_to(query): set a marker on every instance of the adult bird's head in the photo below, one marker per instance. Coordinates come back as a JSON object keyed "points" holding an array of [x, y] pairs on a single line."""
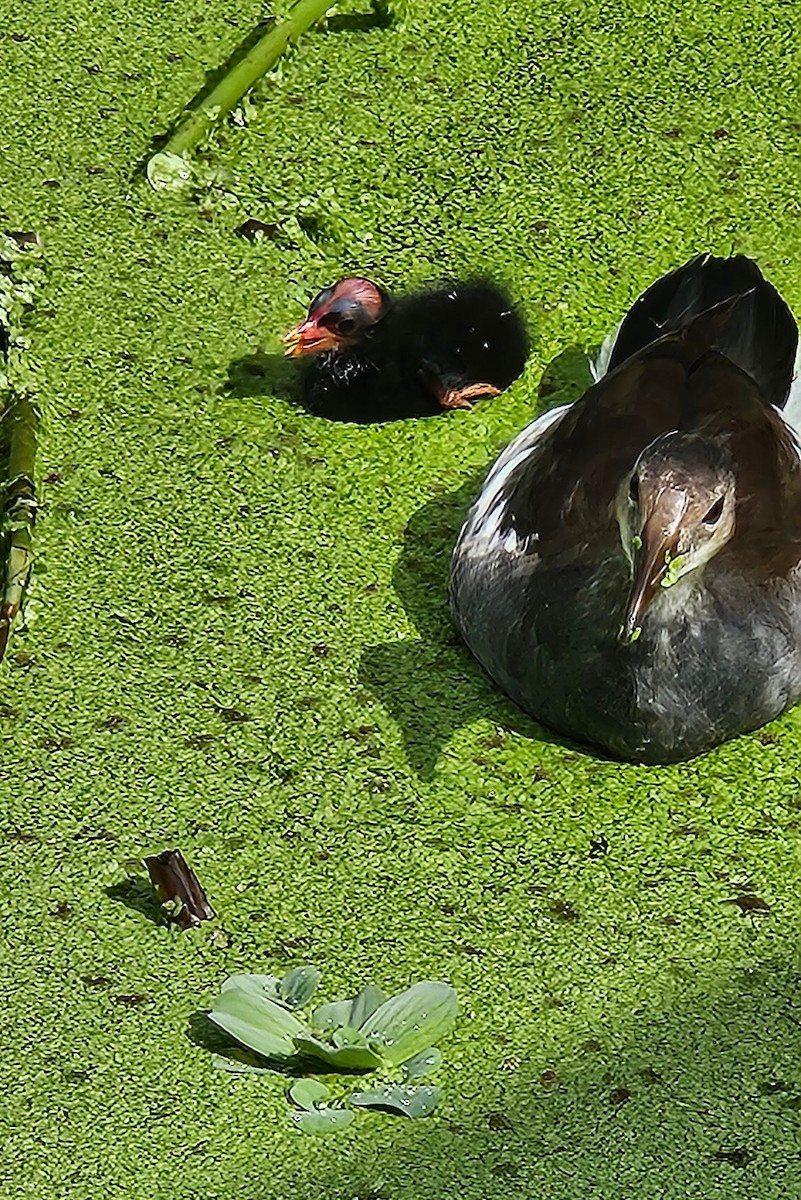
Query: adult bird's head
{"points": [[675, 510], [339, 317]]}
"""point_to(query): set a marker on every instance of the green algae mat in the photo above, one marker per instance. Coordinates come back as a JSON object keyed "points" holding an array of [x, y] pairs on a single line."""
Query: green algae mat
{"points": [[241, 644]]}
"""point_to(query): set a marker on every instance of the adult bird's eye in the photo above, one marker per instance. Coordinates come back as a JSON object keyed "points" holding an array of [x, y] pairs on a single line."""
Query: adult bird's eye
{"points": [[714, 514], [346, 325], [634, 489]]}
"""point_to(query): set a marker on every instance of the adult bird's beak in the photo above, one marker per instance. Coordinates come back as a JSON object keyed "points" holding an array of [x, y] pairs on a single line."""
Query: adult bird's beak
{"points": [[308, 338], [653, 559]]}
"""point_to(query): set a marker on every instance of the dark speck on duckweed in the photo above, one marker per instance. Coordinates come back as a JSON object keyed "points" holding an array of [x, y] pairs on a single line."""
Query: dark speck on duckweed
{"points": [[231, 716], [254, 230], [750, 905], [499, 1121], [738, 1157], [563, 910], [598, 846]]}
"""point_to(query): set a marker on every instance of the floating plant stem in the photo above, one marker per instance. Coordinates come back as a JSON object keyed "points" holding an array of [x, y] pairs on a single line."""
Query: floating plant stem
{"points": [[170, 168], [19, 509], [20, 423]]}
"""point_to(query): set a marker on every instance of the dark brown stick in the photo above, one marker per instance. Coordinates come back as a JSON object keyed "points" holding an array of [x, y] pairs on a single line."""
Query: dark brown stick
{"points": [[176, 883]]}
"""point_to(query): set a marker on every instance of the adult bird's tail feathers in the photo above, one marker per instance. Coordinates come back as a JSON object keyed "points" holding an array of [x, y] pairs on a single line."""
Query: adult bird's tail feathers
{"points": [[749, 323]]}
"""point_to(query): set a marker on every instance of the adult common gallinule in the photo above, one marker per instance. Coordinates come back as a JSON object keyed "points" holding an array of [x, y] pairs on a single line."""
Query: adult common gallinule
{"points": [[377, 358], [629, 574]]}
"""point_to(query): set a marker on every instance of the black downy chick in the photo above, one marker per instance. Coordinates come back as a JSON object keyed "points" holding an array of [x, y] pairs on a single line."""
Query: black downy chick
{"points": [[377, 358]]}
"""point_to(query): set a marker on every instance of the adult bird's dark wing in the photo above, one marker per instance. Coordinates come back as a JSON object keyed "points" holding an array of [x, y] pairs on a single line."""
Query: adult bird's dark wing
{"points": [[761, 335], [561, 496]]}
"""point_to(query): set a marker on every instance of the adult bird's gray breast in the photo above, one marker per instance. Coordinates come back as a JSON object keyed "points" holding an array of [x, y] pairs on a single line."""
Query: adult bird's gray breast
{"points": [[629, 572]]}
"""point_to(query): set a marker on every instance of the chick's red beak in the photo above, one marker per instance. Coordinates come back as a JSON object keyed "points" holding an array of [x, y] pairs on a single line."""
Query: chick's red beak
{"points": [[309, 338]]}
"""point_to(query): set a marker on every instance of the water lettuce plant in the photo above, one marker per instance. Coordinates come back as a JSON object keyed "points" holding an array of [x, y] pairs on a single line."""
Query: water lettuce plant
{"points": [[370, 1032]]}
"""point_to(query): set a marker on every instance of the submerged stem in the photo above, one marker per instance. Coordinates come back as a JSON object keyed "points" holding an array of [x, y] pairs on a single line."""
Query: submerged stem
{"points": [[20, 422], [169, 168]]}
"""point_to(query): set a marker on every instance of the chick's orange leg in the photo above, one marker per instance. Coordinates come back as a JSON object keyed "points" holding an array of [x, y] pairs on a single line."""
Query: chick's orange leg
{"points": [[462, 397]]}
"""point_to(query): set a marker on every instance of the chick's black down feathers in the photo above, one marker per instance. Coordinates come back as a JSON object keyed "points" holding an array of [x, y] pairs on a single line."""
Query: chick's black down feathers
{"points": [[425, 343]]}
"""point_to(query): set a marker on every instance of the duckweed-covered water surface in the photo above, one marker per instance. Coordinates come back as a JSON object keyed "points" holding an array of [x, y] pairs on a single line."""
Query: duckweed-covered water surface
{"points": [[241, 642]]}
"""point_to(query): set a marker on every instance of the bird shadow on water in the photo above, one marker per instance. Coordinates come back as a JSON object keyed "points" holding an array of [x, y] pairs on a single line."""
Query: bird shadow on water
{"points": [[565, 379], [686, 1098], [432, 686], [261, 374], [282, 378]]}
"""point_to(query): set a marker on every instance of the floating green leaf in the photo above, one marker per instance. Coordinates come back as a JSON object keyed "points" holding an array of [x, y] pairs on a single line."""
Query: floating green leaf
{"points": [[298, 986], [309, 1093], [410, 1101], [352, 1013], [257, 1022], [349, 1037], [332, 1016], [411, 1021], [323, 1120], [423, 1063], [238, 1066], [167, 172], [368, 1001], [674, 568], [260, 985], [346, 1057]]}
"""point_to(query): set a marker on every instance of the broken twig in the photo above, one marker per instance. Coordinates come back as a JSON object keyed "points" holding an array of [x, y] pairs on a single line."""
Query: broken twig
{"points": [[178, 887]]}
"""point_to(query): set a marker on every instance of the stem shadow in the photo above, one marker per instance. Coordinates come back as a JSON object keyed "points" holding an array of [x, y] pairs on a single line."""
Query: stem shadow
{"points": [[138, 895], [210, 80]]}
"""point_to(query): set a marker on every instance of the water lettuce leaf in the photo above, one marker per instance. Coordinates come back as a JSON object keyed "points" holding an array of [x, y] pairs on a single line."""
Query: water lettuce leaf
{"points": [[323, 1120], [412, 1021], [257, 1022], [408, 1100], [331, 1016], [352, 1013], [238, 1066], [368, 1001], [423, 1063], [346, 1057], [309, 1093], [298, 986], [262, 985]]}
